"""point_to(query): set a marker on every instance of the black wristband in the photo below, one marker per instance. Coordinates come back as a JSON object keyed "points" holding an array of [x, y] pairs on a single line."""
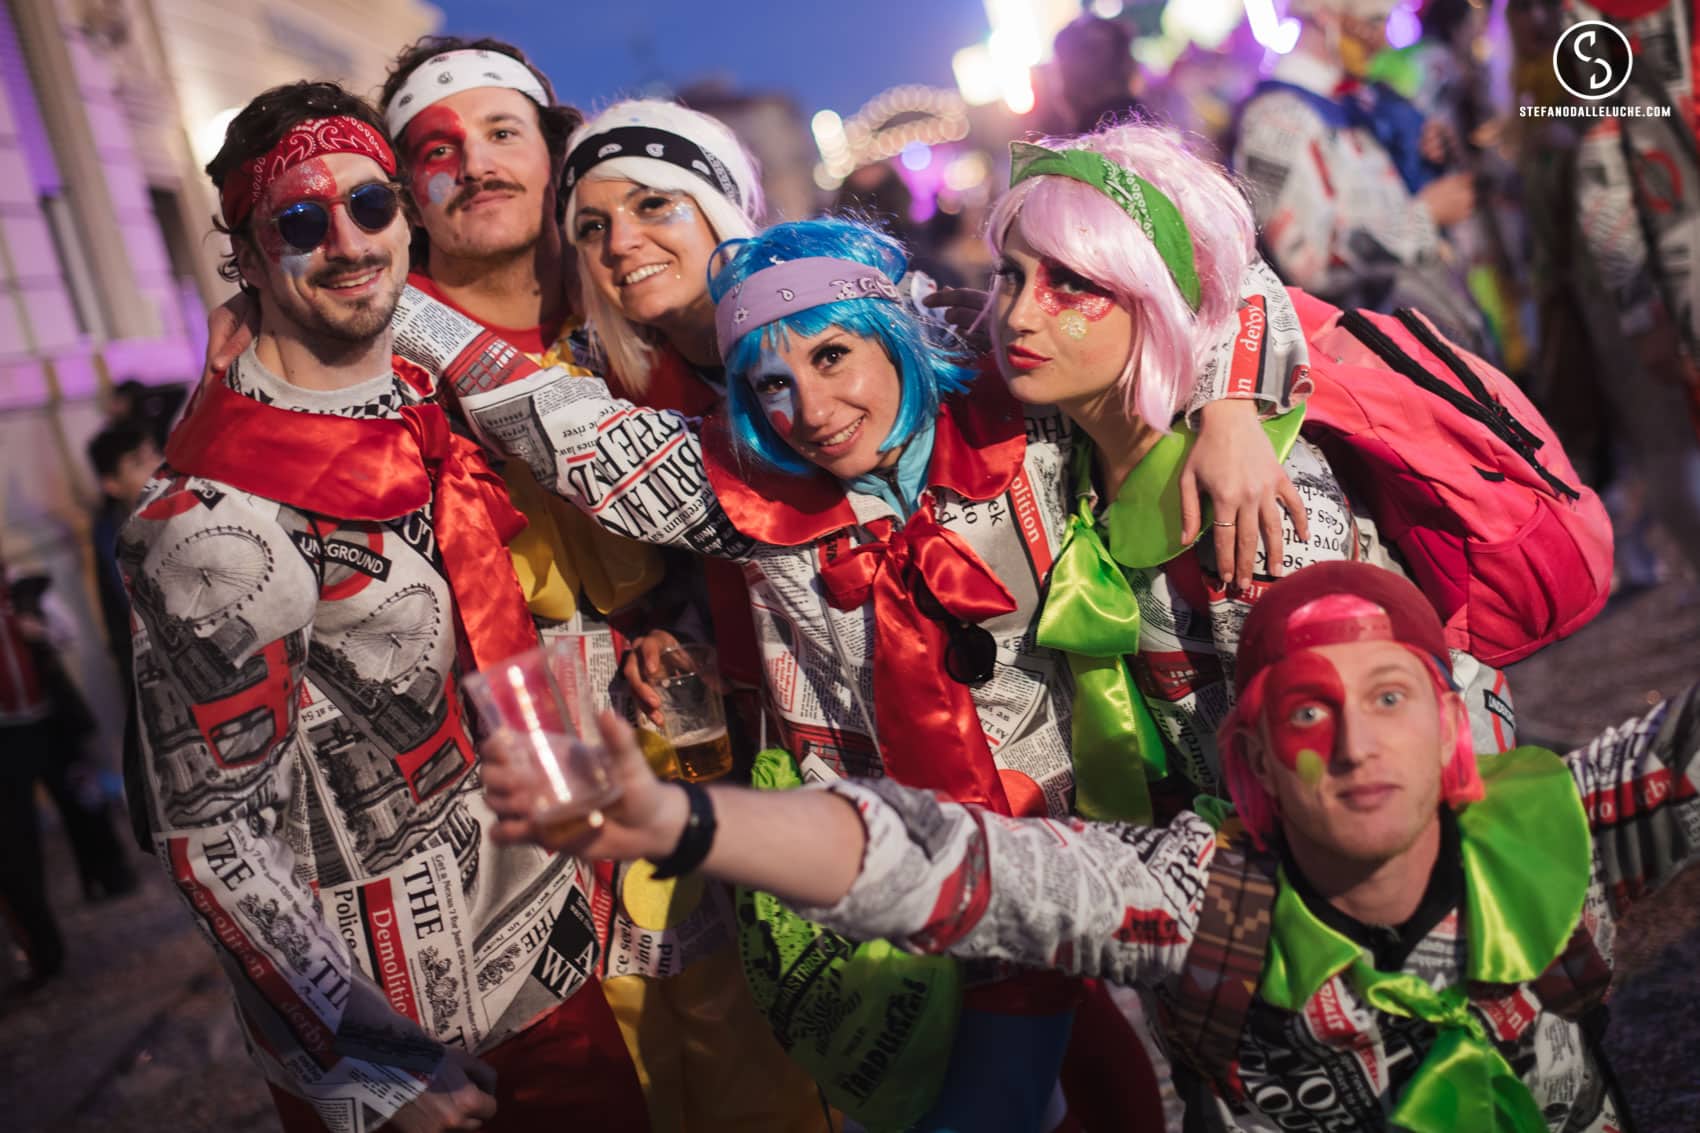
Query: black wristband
{"points": [[696, 839]]}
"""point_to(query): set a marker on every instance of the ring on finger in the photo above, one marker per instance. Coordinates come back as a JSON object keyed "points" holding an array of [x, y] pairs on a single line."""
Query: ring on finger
{"points": [[1224, 523]]}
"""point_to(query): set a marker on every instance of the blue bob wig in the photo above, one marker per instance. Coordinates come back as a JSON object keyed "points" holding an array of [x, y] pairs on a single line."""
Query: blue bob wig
{"points": [[925, 354]]}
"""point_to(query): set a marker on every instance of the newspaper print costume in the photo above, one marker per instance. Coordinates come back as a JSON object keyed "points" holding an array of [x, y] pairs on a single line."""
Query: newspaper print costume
{"points": [[1639, 199], [640, 472], [1335, 217], [314, 792], [1122, 902]]}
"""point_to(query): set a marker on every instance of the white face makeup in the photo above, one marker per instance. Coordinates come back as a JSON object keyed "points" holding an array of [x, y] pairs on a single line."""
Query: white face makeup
{"points": [[832, 397]]}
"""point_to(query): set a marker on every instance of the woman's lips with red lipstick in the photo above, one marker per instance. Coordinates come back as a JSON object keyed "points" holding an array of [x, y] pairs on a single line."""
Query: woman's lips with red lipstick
{"points": [[1022, 358]]}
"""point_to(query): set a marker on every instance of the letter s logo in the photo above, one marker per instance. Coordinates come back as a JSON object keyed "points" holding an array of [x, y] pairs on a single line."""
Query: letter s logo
{"points": [[1592, 60]]}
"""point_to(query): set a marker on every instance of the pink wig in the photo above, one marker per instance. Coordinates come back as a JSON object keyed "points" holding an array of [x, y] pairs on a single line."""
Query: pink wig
{"points": [[1088, 233], [1460, 781]]}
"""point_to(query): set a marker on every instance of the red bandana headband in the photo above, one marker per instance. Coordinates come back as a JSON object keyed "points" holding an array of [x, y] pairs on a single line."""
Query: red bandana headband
{"points": [[307, 139]]}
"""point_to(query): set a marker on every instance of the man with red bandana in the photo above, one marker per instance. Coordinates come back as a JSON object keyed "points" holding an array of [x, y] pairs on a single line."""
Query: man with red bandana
{"points": [[312, 570], [1414, 937]]}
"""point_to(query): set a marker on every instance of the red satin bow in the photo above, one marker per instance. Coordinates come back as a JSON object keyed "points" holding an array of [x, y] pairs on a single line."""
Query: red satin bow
{"points": [[929, 731], [374, 471]]}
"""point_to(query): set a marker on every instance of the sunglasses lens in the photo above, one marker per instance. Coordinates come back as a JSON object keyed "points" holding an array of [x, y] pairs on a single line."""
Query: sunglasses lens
{"points": [[373, 207], [303, 225], [972, 654]]}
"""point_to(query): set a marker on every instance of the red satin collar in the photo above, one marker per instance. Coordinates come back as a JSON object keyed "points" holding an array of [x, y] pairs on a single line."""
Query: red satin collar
{"points": [[344, 467], [979, 443]]}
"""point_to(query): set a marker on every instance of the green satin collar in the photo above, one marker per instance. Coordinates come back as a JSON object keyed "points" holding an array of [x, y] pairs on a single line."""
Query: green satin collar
{"points": [[1526, 854], [1152, 492]]}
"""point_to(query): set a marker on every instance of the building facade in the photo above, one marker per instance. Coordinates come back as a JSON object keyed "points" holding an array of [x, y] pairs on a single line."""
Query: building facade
{"points": [[108, 258]]}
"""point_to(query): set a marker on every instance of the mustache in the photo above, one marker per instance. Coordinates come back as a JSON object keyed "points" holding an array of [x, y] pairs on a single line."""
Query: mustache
{"points": [[336, 268], [462, 198]]}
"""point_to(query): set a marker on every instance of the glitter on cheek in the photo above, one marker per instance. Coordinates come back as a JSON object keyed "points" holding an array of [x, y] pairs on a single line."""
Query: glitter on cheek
{"points": [[439, 188], [1073, 324], [295, 263], [681, 213], [1309, 766]]}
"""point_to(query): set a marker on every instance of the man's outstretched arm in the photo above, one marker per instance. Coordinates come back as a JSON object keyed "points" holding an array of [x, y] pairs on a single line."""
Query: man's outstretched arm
{"points": [[875, 860]]}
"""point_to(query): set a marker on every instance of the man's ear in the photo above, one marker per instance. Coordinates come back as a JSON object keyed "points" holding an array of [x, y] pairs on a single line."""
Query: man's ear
{"points": [[110, 485], [1454, 724], [249, 258], [1254, 744]]}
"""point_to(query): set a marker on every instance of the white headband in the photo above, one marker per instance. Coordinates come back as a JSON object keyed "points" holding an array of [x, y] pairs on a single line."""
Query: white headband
{"points": [[455, 71]]}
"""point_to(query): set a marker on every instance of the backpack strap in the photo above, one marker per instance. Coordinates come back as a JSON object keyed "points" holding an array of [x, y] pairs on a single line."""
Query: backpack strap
{"points": [[1204, 1012], [1478, 403]]}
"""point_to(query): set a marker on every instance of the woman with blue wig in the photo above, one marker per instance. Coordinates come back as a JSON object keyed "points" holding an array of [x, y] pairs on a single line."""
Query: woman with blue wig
{"points": [[896, 515]]}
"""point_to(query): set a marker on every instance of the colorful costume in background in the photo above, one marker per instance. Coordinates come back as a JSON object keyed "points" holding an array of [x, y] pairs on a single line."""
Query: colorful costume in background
{"points": [[1337, 215]]}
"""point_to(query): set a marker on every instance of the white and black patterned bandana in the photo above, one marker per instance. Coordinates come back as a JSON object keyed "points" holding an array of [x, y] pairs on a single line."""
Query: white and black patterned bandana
{"points": [[657, 145], [455, 71]]}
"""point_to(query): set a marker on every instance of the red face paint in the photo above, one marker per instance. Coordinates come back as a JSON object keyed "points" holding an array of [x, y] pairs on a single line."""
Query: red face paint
{"points": [[781, 422], [1092, 305], [436, 141], [309, 181], [1303, 700]]}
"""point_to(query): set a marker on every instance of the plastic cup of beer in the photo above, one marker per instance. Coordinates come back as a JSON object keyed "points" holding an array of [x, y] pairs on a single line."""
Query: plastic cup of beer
{"points": [[544, 697], [693, 711]]}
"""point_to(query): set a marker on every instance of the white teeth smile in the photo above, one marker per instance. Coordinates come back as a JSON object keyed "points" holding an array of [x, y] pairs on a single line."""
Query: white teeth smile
{"points": [[841, 436], [357, 281], [642, 274]]}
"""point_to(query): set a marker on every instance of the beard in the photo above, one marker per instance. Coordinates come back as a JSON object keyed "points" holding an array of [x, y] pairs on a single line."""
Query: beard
{"points": [[355, 323]]}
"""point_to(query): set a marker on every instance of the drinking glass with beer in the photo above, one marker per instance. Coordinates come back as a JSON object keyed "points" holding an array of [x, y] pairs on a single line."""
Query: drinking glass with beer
{"points": [[546, 698], [693, 711]]}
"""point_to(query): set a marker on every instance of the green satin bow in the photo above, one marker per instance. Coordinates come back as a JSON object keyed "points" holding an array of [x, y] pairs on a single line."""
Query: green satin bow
{"points": [[1092, 616], [1526, 853]]}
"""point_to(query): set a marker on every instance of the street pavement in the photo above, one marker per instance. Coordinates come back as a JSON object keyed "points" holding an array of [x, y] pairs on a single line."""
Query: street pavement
{"points": [[138, 1035]]}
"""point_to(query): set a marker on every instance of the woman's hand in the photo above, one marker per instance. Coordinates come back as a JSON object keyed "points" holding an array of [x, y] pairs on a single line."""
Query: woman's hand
{"points": [[230, 328], [1235, 465], [646, 821], [965, 310], [643, 665]]}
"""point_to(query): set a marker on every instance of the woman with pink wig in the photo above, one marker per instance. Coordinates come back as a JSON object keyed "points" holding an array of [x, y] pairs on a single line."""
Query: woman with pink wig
{"points": [[1121, 265]]}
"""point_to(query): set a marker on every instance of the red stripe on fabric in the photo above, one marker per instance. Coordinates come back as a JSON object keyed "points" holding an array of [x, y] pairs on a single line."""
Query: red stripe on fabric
{"points": [[309, 1030]]}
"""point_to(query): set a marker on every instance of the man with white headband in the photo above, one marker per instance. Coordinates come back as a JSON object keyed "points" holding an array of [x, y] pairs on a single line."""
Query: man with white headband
{"points": [[1336, 216], [1393, 934], [483, 144], [314, 567]]}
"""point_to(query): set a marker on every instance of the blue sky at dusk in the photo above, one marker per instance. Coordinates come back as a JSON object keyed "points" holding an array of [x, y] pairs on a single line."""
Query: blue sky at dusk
{"points": [[834, 55]]}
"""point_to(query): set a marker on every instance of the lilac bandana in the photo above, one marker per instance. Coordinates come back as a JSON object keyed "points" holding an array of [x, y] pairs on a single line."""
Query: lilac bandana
{"points": [[794, 286]]}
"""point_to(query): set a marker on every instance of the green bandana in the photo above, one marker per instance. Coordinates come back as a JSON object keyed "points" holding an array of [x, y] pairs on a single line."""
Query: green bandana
{"points": [[1091, 616], [1529, 826], [1148, 205]]}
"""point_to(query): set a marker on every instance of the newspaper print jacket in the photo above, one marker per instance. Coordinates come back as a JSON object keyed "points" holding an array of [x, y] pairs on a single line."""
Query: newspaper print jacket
{"points": [[1638, 181], [315, 798], [1334, 215], [641, 473], [1121, 903]]}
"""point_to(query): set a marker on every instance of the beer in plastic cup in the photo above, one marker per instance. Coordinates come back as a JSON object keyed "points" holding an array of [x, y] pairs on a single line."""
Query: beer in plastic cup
{"points": [[693, 713]]}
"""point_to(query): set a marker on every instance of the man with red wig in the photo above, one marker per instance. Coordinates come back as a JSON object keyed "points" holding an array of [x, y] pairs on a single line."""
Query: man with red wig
{"points": [[1406, 936], [313, 568]]}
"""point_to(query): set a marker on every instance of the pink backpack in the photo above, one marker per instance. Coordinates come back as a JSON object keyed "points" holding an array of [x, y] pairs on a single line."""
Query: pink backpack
{"points": [[1462, 474]]}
